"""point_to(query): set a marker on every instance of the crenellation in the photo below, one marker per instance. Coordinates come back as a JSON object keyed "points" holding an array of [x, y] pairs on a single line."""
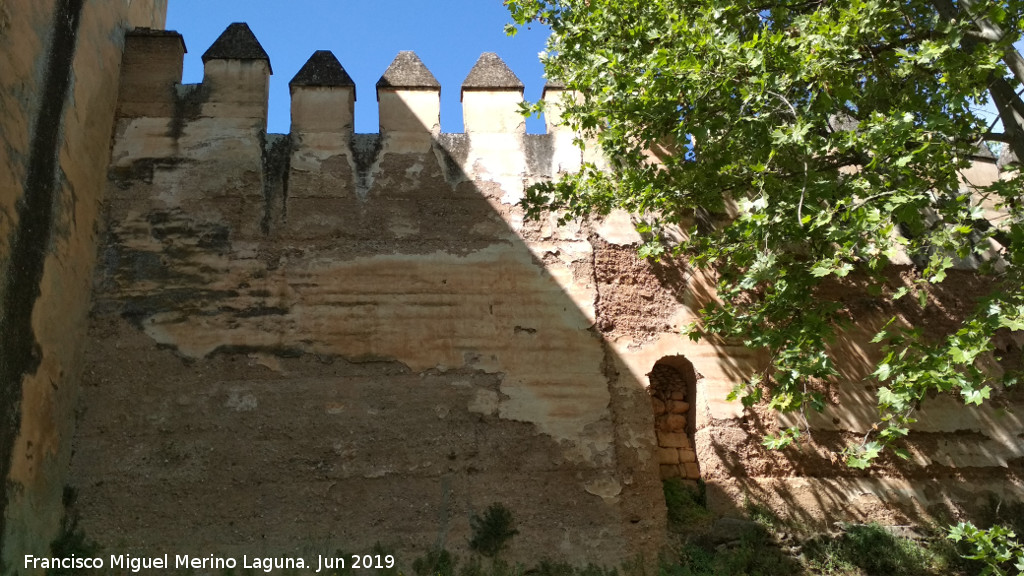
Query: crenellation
{"points": [[237, 71], [491, 95], [323, 97], [409, 105], [551, 96], [324, 172], [233, 97], [150, 69], [567, 157]]}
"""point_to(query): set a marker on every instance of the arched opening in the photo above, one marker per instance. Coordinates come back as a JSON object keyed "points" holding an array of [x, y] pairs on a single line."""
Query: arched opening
{"points": [[673, 389]]}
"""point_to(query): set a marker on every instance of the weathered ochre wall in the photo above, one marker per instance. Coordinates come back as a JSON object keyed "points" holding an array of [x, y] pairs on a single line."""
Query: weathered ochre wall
{"points": [[325, 340], [58, 87]]}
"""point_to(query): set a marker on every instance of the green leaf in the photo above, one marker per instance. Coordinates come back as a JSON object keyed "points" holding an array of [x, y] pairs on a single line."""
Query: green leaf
{"points": [[883, 372], [887, 396], [858, 462], [651, 250], [821, 269], [959, 356], [781, 440], [872, 450], [976, 397]]}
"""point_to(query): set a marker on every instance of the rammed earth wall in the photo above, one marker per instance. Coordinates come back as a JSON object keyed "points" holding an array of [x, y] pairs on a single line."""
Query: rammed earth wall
{"points": [[327, 339], [319, 340]]}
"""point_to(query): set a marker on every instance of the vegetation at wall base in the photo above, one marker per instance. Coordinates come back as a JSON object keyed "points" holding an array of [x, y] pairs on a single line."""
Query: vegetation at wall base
{"points": [[686, 504], [995, 547], [436, 563], [761, 543], [758, 544]]}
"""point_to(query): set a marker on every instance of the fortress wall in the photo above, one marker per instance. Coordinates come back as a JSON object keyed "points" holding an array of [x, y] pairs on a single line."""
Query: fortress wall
{"points": [[57, 99], [324, 339]]}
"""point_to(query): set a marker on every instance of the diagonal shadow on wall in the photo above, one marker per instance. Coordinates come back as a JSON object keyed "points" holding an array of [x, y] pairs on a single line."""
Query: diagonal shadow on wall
{"points": [[323, 340]]}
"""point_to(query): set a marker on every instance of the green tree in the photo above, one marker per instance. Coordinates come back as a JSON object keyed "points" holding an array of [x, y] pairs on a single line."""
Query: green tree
{"points": [[805, 143]]}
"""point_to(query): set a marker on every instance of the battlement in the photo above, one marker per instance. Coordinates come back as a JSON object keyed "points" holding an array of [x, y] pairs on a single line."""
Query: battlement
{"points": [[301, 183], [236, 81]]}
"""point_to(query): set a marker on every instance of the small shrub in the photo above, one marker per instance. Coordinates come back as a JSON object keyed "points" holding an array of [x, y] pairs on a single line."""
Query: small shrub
{"points": [[493, 531], [996, 547], [753, 553], [436, 563], [882, 552], [756, 554]]}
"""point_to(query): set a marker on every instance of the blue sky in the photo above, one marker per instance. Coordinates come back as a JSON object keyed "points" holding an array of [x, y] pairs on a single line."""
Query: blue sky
{"points": [[448, 35]]}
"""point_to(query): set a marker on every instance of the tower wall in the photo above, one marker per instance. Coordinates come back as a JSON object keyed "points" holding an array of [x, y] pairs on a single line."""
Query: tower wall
{"points": [[58, 90]]}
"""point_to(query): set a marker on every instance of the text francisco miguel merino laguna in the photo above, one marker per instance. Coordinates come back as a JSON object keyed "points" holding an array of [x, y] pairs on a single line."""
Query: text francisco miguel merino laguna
{"points": [[139, 563]]}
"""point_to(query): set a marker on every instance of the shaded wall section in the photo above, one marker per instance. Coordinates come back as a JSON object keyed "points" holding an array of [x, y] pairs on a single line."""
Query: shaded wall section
{"points": [[60, 62]]}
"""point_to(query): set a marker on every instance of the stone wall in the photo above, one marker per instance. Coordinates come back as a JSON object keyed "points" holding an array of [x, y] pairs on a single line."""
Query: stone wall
{"points": [[318, 340], [326, 339], [58, 92], [670, 390], [323, 339]]}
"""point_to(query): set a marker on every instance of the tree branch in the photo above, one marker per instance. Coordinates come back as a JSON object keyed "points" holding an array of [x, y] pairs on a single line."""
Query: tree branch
{"points": [[1011, 112], [991, 32], [1008, 104]]}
